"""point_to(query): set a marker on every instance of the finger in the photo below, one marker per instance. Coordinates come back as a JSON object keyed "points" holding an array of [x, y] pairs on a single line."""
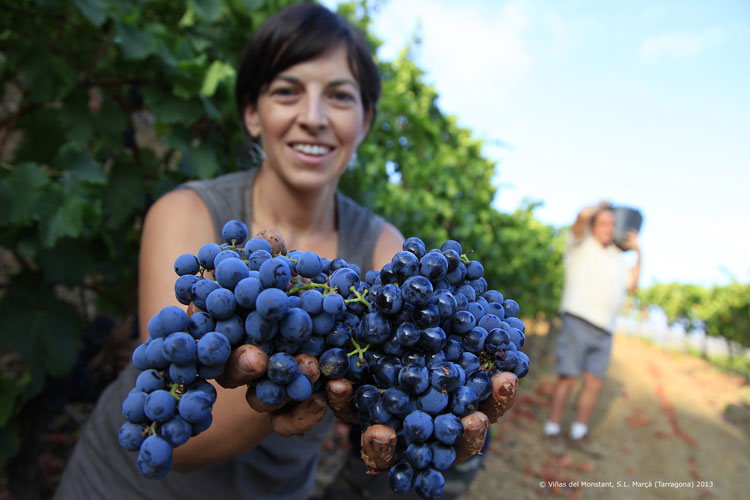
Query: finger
{"points": [[309, 366], [472, 440], [339, 395], [245, 364], [378, 448], [299, 418], [504, 388], [256, 404]]}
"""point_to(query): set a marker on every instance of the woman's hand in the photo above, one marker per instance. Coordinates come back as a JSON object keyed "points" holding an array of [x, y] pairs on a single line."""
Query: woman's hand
{"points": [[379, 441], [249, 362]]}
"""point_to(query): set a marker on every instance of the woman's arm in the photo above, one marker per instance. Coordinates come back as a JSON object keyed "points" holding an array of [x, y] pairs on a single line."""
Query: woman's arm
{"points": [[180, 223]]}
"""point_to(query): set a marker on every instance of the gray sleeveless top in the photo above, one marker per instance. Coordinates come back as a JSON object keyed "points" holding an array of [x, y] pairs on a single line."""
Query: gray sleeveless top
{"points": [[278, 468]]}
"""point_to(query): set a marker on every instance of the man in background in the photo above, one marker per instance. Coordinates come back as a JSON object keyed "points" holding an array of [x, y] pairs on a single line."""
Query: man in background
{"points": [[596, 280]]}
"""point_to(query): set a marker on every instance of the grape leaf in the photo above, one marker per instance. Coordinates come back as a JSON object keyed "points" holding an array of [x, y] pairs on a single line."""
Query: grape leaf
{"points": [[93, 10], [25, 184]]}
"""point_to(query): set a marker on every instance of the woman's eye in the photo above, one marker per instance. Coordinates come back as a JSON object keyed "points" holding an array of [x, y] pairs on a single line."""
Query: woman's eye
{"points": [[283, 92], [342, 96]]}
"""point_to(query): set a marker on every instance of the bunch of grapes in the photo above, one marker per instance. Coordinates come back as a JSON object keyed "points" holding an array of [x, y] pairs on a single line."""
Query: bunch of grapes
{"points": [[418, 339]]}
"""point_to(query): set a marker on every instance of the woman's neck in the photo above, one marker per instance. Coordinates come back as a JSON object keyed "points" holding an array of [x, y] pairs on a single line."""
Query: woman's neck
{"points": [[306, 220]]}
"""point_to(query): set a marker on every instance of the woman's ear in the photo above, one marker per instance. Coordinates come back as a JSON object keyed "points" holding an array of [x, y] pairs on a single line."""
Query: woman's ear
{"points": [[252, 121]]}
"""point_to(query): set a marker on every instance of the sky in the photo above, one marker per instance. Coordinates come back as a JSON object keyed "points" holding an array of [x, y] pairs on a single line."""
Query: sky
{"points": [[645, 103]]}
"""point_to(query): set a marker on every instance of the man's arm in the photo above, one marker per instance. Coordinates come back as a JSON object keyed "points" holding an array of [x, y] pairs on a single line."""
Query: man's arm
{"points": [[584, 218], [634, 273]]}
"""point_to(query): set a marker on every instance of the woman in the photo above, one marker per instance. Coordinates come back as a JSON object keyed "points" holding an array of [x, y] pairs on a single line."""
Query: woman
{"points": [[306, 90]]}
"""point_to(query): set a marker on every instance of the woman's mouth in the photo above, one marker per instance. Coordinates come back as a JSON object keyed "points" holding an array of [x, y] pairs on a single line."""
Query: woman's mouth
{"points": [[312, 149]]}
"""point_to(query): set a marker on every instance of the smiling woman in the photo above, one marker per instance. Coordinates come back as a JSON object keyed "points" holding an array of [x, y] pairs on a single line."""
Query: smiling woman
{"points": [[306, 90]]}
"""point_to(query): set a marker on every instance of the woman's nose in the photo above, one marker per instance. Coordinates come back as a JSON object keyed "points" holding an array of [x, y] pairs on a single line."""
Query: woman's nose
{"points": [[313, 113]]}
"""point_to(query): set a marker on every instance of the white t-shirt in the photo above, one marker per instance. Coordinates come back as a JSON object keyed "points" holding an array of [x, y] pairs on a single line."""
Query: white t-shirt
{"points": [[595, 281]]}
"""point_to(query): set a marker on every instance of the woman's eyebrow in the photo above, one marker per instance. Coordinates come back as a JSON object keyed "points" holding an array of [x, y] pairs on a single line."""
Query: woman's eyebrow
{"points": [[332, 83]]}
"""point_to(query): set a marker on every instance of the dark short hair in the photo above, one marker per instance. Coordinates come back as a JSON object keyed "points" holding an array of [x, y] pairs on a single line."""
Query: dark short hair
{"points": [[296, 34]]}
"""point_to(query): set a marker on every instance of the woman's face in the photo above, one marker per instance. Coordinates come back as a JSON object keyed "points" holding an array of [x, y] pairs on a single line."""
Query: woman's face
{"points": [[311, 121]]}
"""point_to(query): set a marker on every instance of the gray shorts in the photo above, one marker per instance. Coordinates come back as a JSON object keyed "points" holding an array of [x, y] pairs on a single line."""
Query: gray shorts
{"points": [[582, 347]]}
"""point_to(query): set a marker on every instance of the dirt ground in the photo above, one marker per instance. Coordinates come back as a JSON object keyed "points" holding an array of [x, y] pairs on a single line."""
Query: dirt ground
{"points": [[663, 416]]}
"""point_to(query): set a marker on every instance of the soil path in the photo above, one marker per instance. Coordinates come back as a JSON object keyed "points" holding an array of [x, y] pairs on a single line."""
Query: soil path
{"points": [[663, 416]]}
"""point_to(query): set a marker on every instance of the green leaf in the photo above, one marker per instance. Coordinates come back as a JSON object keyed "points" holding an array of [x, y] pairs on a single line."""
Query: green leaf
{"points": [[25, 184], [81, 168], [124, 194], [40, 328], [199, 162], [93, 10], [136, 44], [50, 75], [67, 221], [188, 18], [218, 71], [67, 262], [170, 109], [207, 10]]}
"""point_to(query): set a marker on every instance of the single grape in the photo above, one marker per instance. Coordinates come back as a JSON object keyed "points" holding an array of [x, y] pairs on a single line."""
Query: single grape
{"points": [[255, 244], [155, 452], [220, 303], [419, 455], [296, 325], [176, 431], [183, 288], [443, 455], [234, 231], [207, 254], [194, 406], [275, 273], [132, 407], [333, 363], [233, 328], [401, 477], [511, 308], [282, 368], [186, 264], [200, 323], [414, 379], [269, 392], [271, 304], [131, 436], [463, 401], [179, 348], [229, 272], [149, 381], [225, 254], [300, 388], [308, 264], [433, 401], [448, 428], [418, 426], [213, 349], [429, 484], [416, 290]]}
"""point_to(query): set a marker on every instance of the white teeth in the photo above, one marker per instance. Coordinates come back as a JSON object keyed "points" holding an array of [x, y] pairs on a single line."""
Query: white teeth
{"points": [[311, 149]]}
